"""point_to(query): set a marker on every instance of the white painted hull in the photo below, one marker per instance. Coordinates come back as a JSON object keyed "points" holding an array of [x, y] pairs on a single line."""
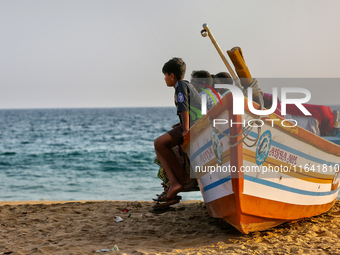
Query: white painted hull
{"points": [[251, 197]]}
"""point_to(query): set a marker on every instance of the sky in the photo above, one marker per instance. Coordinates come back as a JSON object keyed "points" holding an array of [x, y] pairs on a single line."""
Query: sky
{"points": [[75, 54]]}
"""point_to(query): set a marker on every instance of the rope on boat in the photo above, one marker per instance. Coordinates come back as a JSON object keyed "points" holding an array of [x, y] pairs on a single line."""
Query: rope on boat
{"points": [[256, 89], [248, 128]]}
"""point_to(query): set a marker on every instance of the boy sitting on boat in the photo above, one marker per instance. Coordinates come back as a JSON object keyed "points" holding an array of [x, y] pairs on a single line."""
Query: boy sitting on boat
{"points": [[203, 83], [222, 78], [188, 104]]}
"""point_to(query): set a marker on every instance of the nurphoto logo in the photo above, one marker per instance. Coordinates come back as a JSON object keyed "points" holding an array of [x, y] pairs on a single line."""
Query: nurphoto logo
{"points": [[238, 105], [238, 100]]}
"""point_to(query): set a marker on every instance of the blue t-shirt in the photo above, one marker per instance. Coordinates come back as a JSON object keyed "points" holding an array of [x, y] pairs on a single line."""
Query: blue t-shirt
{"points": [[188, 99]]}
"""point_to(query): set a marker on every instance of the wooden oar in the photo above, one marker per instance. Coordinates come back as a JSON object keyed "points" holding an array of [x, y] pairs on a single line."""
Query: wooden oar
{"points": [[236, 56]]}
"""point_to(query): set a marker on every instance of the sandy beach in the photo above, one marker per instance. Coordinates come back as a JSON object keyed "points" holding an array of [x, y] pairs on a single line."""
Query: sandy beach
{"points": [[87, 227]]}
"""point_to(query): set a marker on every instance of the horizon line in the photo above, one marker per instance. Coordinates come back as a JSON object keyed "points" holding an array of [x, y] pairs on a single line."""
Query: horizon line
{"points": [[99, 107]]}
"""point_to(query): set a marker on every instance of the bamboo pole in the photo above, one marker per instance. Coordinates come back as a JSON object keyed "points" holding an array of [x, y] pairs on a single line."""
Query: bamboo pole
{"points": [[206, 32]]}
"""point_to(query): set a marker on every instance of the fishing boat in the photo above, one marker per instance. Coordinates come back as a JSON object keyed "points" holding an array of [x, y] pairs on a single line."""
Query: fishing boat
{"points": [[256, 173]]}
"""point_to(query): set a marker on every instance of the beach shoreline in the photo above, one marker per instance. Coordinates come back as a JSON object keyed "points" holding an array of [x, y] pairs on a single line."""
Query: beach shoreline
{"points": [[86, 227], [46, 202]]}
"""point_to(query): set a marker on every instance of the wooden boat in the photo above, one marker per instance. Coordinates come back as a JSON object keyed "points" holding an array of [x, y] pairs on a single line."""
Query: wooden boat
{"points": [[235, 178]]}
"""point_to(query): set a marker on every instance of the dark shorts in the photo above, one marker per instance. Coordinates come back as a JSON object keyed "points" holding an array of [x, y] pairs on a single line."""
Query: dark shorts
{"points": [[177, 134]]}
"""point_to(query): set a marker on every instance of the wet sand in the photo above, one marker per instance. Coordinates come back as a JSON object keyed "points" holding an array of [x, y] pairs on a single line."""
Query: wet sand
{"points": [[87, 227]]}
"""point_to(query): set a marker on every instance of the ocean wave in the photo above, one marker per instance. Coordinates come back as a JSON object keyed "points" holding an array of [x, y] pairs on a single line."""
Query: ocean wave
{"points": [[8, 153]]}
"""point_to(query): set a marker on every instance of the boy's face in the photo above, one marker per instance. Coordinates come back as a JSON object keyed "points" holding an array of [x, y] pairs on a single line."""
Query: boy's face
{"points": [[170, 80], [195, 83]]}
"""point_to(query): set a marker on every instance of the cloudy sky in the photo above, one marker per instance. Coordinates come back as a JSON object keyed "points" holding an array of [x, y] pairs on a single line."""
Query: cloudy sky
{"points": [[67, 54]]}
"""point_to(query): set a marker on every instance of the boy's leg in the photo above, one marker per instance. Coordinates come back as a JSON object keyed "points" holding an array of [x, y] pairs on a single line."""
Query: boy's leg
{"points": [[163, 147], [177, 176], [175, 186]]}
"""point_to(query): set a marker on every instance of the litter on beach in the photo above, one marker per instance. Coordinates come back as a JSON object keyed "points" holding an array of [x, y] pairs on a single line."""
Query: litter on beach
{"points": [[103, 250], [118, 219], [115, 248]]}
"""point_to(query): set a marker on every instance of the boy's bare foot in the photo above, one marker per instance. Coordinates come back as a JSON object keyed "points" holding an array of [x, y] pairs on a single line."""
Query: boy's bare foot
{"points": [[172, 192]]}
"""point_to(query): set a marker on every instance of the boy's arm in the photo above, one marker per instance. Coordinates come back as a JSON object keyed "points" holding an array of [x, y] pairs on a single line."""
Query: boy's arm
{"points": [[185, 121], [183, 105]]}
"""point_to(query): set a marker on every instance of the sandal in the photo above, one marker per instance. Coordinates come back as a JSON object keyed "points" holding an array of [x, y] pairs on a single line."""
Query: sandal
{"points": [[159, 198], [165, 202], [163, 194]]}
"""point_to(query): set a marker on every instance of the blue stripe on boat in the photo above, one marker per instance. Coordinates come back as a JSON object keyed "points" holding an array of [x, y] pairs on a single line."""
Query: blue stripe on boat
{"points": [[271, 184], [217, 183], [287, 188], [207, 145]]}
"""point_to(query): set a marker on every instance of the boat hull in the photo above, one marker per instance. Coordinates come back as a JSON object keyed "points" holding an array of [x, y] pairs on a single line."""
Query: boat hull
{"points": [[288, 173]]}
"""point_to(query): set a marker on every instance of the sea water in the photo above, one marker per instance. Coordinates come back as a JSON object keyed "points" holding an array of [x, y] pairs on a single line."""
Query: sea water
{"points": [[82, 154]]}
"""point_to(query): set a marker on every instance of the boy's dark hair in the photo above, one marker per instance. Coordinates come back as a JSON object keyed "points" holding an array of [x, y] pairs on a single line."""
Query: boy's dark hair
{"points": [[175, 66], [224, 77], [203, 76]]}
